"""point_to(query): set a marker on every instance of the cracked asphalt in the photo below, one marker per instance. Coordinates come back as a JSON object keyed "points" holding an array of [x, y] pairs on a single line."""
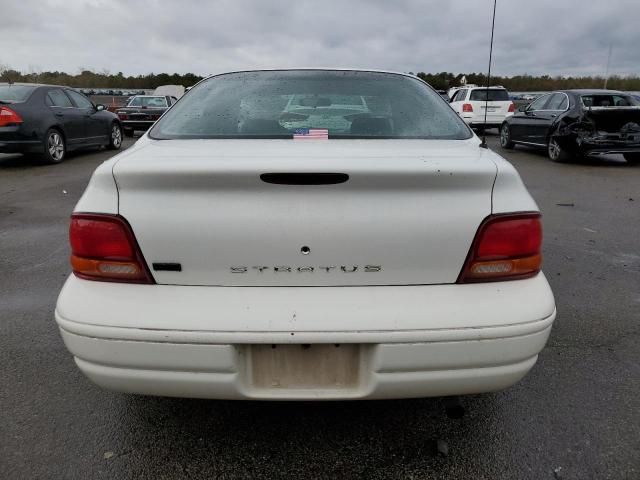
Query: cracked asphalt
{"points": [[575, 416]]}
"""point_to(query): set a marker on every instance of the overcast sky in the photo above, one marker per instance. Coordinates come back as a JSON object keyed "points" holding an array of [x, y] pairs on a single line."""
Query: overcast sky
{"points": [[558, 37]]}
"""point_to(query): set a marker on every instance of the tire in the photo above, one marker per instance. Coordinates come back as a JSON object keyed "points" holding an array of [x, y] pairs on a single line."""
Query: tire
{"points": [[556, 152], [632, 158], [115, 137], [55, 147], [505, 137], [128, 132]]}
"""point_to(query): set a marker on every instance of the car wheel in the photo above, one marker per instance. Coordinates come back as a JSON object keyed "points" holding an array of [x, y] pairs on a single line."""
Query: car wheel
{"points": [[128, 132], [115, 138], [55, 148], [556, 152], [505, 137], [632, 158]]}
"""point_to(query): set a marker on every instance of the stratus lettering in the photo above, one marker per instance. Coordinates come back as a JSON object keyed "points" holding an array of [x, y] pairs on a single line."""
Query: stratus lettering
{"points": [[307, 268]]}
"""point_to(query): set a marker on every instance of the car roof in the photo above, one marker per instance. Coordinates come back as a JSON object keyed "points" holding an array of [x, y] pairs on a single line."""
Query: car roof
{"points": [[39, 85], [592, 91], [316, 69], [35, 85], [492, 87]]}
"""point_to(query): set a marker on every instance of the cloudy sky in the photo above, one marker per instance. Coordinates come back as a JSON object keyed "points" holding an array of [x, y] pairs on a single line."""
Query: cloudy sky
{"points": [[558, 37]]}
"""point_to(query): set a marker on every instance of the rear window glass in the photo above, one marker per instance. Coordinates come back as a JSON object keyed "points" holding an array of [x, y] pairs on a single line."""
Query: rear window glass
{"points": [[279, 104], [493, 94], [148, 102], [15, 93], [608, 100]]}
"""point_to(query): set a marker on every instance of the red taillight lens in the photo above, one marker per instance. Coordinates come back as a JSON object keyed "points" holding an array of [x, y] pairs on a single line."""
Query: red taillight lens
{"points": [[123, 116], [512, 107], [467, 108], [506, 247], [103, 247], [9, 117]]}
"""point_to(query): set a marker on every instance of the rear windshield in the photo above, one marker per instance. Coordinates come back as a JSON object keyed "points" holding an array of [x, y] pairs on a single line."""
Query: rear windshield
{"points": [[148, 102], [493, 94], [342, 104], [608, 100], [15, 93]]}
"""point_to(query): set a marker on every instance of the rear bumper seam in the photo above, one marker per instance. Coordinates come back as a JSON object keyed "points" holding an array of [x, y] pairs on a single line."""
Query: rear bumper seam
{"points": [[535, 326]]}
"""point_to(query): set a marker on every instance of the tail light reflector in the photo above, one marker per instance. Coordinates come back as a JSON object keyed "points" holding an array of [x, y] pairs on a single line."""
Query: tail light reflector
{"points": [[9, 117], [467, 108], [506, 247], [512, 107], [104, 248]]}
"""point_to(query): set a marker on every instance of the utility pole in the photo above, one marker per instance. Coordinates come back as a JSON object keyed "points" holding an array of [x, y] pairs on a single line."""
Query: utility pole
{"points": [[606, 74]]}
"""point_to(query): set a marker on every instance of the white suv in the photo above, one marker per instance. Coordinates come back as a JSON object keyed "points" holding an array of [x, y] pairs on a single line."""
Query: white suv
{"points": [[470, 104]]}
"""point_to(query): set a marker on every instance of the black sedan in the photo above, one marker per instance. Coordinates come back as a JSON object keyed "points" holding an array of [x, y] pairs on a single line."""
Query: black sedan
{"points": [[574, 123], [48, 121]]}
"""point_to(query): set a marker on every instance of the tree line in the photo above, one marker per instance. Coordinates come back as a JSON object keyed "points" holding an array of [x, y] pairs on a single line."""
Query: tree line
{"points": [[530, 83], [439, 81], [89, 79]]}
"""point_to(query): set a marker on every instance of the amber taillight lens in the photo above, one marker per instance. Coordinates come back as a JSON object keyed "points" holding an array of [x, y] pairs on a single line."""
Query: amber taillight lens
{"points": [[506, 247], [104, 248]]}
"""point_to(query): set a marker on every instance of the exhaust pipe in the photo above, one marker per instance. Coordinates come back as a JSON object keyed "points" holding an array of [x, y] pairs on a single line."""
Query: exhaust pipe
{"points": [[453, 407]]}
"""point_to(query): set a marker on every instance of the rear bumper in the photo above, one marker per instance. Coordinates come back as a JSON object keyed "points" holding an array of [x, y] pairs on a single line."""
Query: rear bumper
{"points": [[609, 149], [477, 120], [485, 125], [414, 346], [13, 139], [137, 124], [30, 146], [603, 146]]}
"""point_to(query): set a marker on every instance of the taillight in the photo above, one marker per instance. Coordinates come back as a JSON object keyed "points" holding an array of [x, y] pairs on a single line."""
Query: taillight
{"points": [[104, 248], [512, 107], [9, 117], [506, 247], [467, 108], [123, 116]]}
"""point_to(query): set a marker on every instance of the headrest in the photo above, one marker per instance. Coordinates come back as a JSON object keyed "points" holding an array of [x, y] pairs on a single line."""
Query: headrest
{"points": [[371, 126], [261, 126]]}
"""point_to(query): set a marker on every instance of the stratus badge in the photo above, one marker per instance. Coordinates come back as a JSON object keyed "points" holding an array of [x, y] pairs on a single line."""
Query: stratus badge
{"points": [[307, 268]]}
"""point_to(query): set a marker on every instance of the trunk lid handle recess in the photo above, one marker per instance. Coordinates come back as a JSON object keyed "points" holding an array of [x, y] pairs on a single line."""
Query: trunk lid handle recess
{"points": [[304, 178]]}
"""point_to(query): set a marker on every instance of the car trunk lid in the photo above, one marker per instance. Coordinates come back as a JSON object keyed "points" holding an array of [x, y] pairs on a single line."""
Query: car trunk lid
{"points": [[312, 213]]}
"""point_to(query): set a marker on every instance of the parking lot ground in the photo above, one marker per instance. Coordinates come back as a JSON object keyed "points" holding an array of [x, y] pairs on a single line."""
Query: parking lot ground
{"points": [[575, 416]]}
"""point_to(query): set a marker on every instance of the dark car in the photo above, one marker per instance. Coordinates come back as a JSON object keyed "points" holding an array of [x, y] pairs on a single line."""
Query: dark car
{"points": [[48, 121], [142, 111], [574, 123], [443, 94]]}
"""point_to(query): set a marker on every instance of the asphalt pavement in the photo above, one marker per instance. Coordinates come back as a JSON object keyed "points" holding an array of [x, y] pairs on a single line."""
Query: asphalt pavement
{"points": [[575, 416]]}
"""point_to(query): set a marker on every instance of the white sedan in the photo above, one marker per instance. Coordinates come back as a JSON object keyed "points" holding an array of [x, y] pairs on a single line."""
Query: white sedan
{"points": [[227, 256]]}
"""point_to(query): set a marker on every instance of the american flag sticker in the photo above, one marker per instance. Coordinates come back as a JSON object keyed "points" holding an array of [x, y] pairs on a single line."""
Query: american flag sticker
{"points": [[311, 133]]}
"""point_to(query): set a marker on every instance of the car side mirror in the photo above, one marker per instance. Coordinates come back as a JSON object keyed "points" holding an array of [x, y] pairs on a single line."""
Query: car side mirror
{"points": [[100, 107]]}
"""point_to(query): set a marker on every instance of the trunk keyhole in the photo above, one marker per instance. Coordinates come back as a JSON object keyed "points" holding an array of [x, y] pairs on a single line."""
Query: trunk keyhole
{"points": [[305, 250]]}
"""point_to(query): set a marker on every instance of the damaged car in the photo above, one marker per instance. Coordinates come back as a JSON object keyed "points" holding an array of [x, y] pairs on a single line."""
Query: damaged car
{"points": [[577, 123]]}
